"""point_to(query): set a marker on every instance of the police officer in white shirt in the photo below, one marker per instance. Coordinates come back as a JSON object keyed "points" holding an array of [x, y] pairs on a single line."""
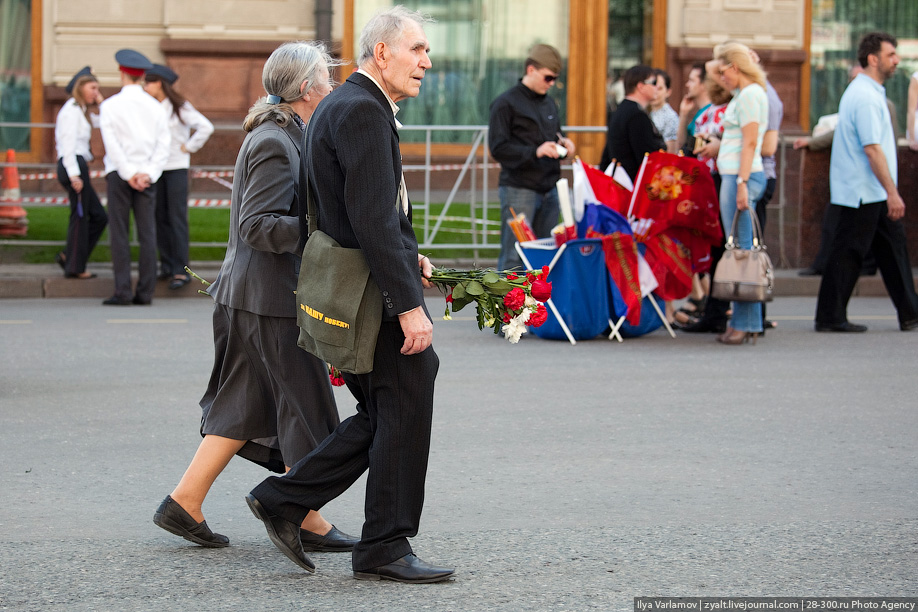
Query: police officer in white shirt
{"points": [[72, 134], [190, 130], [135, 130]]}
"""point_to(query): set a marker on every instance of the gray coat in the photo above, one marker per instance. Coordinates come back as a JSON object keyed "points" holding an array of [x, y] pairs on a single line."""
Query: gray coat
{"points": [[259, 273]]}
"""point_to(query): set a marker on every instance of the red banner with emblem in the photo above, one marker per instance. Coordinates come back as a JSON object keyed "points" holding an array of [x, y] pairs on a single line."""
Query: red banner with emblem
{"points": [[678, 193], [621, 256], [671, 265]]}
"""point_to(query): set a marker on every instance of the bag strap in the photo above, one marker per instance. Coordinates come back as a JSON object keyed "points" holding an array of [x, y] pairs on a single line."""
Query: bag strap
{"points": [[757, 243]]}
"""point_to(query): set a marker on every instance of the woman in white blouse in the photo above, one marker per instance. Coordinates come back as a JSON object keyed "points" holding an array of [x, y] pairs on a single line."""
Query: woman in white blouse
{"points": [[190, 130], [72, 132]]}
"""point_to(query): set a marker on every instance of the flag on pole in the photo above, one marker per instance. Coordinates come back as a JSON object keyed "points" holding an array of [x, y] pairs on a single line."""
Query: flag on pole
{"points": [[677, 194], [604, 189], [677, 191]]}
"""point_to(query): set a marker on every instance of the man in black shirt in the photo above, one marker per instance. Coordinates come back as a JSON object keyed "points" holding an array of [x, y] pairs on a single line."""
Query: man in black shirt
{"points": [[524, 135], [631, 132]]}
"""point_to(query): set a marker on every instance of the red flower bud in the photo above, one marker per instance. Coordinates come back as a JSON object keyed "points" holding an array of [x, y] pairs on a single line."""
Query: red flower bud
{"points": [[541, 289]]}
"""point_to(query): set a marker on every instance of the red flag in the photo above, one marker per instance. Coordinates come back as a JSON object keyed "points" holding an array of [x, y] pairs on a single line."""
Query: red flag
{"points": [[621, 256], [697, 244], [607, 190], [671, 266], [677, 191]]}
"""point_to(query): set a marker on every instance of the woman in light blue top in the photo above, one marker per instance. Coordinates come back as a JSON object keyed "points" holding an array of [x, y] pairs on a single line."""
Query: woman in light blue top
{"points": [[740, 166]]}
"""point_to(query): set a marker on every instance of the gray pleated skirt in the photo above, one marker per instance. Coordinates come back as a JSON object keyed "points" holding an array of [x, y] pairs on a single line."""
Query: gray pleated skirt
{"points": [[266, 390]]}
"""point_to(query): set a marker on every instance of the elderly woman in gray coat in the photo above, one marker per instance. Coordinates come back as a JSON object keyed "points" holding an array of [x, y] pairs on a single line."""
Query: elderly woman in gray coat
{"points": [[268, 400]]}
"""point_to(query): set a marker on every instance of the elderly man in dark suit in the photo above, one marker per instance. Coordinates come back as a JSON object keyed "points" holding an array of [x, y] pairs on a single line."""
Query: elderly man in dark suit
{"points": [[267, 400], [356, 173]]}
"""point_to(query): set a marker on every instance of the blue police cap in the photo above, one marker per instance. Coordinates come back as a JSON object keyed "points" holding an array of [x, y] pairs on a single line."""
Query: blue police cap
{"points": [[133, 60], [84, 71], [164, 73]]}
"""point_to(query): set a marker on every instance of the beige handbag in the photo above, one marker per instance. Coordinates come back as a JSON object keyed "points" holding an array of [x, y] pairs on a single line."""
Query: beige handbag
{"points": [[744, 275]]}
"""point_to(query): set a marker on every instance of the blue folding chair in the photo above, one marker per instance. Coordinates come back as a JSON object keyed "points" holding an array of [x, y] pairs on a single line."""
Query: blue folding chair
{"points": [[579, 302]]}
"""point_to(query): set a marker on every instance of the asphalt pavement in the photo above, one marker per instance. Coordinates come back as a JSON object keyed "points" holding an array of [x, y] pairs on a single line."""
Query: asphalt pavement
{"points": [[561, 477]]}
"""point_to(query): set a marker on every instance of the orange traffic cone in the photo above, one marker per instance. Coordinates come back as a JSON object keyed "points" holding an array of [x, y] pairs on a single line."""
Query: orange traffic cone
{"points": [[13, 220]]}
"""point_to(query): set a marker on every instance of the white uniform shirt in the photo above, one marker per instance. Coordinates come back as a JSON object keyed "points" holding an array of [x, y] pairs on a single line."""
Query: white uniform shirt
{"points": [[135, 131], [181, 134], [71, 136]]}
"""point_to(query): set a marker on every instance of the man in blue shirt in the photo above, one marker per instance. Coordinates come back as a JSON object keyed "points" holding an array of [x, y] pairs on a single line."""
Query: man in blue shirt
{"points": [[862, 178]]}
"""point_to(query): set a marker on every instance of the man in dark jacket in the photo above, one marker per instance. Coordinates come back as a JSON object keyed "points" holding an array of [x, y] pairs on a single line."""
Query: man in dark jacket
{"points": [[524, 135], [631, 132], [355, 169]]}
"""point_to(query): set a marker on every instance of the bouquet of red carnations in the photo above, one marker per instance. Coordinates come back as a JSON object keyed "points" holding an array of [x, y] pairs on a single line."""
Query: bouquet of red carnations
{"points": [[506, 301]]}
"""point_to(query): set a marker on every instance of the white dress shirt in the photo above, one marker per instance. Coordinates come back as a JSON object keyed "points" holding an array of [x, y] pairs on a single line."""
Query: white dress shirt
{"points": [[181, 134], [71, 136], [135, 131]]}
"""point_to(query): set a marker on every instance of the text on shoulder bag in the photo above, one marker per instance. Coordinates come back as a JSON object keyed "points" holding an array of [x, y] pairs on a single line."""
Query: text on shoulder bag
{"points": [[339, 306]]}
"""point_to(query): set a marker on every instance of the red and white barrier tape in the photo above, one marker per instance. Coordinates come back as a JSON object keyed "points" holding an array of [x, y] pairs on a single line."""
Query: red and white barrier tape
{"points": [[43, 176], [63, 200], [438, 167]]}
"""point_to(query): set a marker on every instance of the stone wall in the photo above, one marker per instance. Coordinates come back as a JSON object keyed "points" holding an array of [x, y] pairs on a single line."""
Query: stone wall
{"points": [[807, 191]]}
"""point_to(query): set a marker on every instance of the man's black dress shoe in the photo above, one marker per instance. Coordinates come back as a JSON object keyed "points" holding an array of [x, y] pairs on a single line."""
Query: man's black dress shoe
{"points": [[284, 534], [173, 518], [908, 325], [408, 569], [116, 301], [704, 326], [847, 326], [139, 302], [333, 541]]}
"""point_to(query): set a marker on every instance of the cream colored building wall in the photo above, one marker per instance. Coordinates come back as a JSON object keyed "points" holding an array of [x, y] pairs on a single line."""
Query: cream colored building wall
{"points": [[764, 24], [77, 33], [508, 27]]}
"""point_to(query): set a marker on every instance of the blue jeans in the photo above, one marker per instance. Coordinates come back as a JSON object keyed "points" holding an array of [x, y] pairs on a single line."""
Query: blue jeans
{"points": [[747, 316], [542, 211]]}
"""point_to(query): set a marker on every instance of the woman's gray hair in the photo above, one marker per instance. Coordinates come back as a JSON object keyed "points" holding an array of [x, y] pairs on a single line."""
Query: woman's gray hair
{"points": [[286, 69], [387, 27]]}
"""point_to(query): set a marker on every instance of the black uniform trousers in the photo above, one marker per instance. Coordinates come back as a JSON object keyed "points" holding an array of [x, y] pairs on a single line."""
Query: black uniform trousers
{"points": [[87, 218], [389, 435], [858, 230], [122, 199], [172, 221]]}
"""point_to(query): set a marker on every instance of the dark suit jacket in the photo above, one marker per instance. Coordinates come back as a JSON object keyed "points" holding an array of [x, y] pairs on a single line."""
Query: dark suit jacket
{"points": [[631, 135], [355, 170], [259, 273]]}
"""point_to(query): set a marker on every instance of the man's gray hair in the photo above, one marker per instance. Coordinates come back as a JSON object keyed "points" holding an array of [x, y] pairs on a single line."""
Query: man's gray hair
{"points": [[286, 69], [388, 27]]}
